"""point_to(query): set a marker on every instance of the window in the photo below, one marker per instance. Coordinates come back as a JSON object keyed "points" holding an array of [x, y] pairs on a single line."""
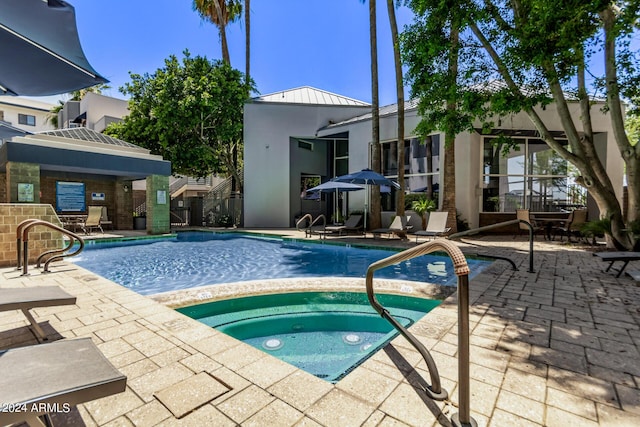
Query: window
{"points": [[421, 162], [530, 176], [27, 119], [306, 145], [421, 167], [1, 115]]}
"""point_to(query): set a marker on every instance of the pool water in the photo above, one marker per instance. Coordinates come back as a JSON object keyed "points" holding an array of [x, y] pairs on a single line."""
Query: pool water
{"points": [[151, 266], [327, 334]]}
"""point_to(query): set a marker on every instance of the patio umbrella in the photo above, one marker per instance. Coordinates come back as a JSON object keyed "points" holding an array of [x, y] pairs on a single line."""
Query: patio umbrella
{"points": [[40, 49], [334, 187], [367, 177]]}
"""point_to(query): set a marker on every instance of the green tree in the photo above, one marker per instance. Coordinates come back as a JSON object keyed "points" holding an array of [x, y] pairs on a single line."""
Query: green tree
{"points": [[220, 13], [538, 52], [434, 76], [189, 112]]}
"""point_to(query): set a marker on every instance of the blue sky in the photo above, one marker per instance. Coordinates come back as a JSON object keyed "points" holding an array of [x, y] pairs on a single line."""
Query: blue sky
{"points": [[319, 43]]}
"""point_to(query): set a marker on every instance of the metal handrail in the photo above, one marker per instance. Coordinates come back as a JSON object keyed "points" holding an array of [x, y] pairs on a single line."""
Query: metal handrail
{"points": [[312, 222], [22, 241], [500, 225], [461, 269], [304, 217]]}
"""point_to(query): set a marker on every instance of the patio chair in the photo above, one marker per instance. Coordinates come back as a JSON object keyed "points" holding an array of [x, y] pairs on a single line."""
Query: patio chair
{"points": [[398, 227], [104, 218], [572, 225], [437, 226], [93, 220], [37, 379], [26, 299], [525, 215], [353, 223]]}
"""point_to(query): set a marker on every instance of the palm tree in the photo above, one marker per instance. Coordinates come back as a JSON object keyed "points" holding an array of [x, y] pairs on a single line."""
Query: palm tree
{"points": [[220, 13], [376, 163], [400, 94], [247, 42]]}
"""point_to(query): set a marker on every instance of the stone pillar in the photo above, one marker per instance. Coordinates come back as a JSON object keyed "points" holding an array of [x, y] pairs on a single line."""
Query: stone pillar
{"points": [[23, 182], [158, 202]]}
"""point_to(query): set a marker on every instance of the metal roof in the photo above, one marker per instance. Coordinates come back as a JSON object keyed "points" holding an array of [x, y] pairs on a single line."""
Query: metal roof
{"points": [[310, 96], [384, 111], [85, 134]]}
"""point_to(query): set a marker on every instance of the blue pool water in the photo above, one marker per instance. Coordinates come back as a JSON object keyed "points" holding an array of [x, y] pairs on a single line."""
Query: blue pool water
{"points": [[326, 334], [150, 266]]}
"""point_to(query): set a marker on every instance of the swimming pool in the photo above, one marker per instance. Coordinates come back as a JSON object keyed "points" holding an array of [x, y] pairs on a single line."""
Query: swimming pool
{"points": [[327, 334], [191, 259]]}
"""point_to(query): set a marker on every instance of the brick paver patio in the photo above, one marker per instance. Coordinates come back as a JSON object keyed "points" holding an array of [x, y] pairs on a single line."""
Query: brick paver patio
{"points": [[556, 347]]}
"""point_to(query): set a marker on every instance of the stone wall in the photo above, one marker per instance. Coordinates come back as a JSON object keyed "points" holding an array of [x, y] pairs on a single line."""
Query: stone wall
{"points": [[41, 238]]}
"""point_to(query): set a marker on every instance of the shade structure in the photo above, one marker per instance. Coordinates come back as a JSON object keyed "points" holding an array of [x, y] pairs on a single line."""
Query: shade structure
{"points": [[40, 49], [367, 177]]}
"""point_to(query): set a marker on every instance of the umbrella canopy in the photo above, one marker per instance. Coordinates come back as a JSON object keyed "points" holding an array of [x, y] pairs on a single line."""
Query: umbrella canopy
{"points": [[367, 177], [40, 49], [332, 186]]}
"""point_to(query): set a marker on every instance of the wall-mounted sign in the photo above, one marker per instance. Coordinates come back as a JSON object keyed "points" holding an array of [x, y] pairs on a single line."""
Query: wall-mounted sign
{"points": [[25, 192], [97, 196], [70, 197], [161, 197]]}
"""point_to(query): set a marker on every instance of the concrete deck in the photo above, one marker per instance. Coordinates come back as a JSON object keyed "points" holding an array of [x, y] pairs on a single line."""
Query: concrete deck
{"points": [[557, 347]]}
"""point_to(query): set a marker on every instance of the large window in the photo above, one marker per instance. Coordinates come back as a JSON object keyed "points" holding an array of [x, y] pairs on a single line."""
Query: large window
{"points": [[421, 166], [27, 119], [531, 175]]}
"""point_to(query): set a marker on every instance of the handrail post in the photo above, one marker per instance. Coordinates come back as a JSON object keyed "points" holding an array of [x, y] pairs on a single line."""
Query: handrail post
{"points": [[463, 418], [461, 268]]}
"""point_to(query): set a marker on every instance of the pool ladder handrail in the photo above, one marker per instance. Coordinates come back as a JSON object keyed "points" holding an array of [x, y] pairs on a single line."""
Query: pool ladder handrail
{"points": [[22, 245], [308, 231], [500, 225], [461, 269]]}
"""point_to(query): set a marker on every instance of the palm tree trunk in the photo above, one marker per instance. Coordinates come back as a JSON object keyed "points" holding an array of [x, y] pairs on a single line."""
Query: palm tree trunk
{"points": [[376, 219], [247, 31], [449, 188], [400, 95], [223, 32]]}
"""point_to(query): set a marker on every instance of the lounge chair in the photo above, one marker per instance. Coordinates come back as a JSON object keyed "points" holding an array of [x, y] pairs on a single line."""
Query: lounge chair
{"points": [[437, 226], [104, 218], [93, 220], [571, 227], [43, 378], [398, 227], [27, 298], [612, 257], [353, 223]]}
